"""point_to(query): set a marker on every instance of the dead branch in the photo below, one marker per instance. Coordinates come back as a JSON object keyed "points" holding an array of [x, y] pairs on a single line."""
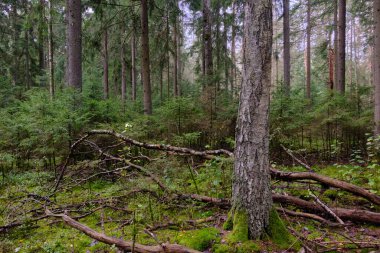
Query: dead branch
{"points": [[327, 208], [163, 147], [308, 216], [356, 190], [347, 214], [121, 244], [290, 153]]}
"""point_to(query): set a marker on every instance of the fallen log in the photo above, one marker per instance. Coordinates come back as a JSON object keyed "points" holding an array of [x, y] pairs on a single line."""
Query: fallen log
{"points": [[356, 190], [308, 216], [343, 213], [121, 244], [163, 147]]}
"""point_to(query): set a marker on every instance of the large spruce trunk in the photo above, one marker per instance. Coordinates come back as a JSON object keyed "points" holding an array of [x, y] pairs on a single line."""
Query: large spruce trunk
{"points": [[251, 187]]}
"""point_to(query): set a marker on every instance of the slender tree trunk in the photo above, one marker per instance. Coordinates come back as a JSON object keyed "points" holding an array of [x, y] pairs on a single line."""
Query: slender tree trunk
{"points": [[175, 58], [168, 53], [341, 66], [123, 70], [251, 188], [286, 31], [145, 62], [27, 53], [207, 39], [179, 60], [308, 52], [41, 37], [74, 44], [134, 69], [335, 44], [233, 48], [225, 52], [15, 39], [105, 63], [51, 50], [218, 42], [376, 65]]}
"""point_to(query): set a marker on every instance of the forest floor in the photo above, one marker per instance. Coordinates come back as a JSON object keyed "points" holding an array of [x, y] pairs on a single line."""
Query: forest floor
{"points": [[124, 204]]}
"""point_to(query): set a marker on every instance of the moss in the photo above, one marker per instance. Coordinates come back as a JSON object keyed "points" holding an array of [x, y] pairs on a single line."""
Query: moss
{"points": [[278, 232], [223, 248], [198, 239], [240, 227], [228, 224], [248, 247]]}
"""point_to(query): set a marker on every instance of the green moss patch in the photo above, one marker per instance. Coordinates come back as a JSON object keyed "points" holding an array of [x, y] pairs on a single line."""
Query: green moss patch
{"points": [[198, 239], [240, 227], [278, 233]]}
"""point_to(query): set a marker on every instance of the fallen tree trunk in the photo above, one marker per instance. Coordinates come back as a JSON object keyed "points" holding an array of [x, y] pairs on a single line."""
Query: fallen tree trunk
{"points": [[121, 244], [359, 191], [347, 214], [163, 147]]}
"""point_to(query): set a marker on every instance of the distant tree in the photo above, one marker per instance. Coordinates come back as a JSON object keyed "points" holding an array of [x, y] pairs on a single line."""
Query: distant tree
{"points": [[251, 188], [145, 61], [74, 43], [207, 39], [51, 49], [308, 51], [286, 31], [341, 53], [376, 65]]}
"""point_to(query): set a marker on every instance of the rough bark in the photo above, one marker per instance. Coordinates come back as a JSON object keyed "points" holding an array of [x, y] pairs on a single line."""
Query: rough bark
{"points": [[341, 53], [376, 65], [133, 63], [286, 31], [233, 48], [335, 44], [123, 69], [308, 52], [251, 187], [74, 44], [207, 38], [175, 57], [105, 63], [145, 62], [51, 50]]}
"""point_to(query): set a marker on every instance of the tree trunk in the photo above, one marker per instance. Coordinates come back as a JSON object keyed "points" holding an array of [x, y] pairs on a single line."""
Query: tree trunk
{"points": [[233, 48], [308, 60], [286, 31], [207, 39], [175, 57], [341, 66], [27, 53], [376, 64], [41, 37], [145, 68], [133, 70], [251, 187], [51, 50], [123, 70], [334, 85], [74, 44], [105, 63]]}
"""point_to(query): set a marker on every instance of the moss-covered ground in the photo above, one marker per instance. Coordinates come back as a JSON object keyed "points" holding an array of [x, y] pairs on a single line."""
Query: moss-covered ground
{"points": [[126, 215]]}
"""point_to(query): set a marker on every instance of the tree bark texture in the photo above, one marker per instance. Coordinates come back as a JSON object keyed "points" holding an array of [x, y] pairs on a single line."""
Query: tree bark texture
{"points": [[207, 38], [51, 50], [286, 31], [341, 64], [308, 52], [74, 46], [145, 62], [376, 64], [251, 187], [105, 63]]}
